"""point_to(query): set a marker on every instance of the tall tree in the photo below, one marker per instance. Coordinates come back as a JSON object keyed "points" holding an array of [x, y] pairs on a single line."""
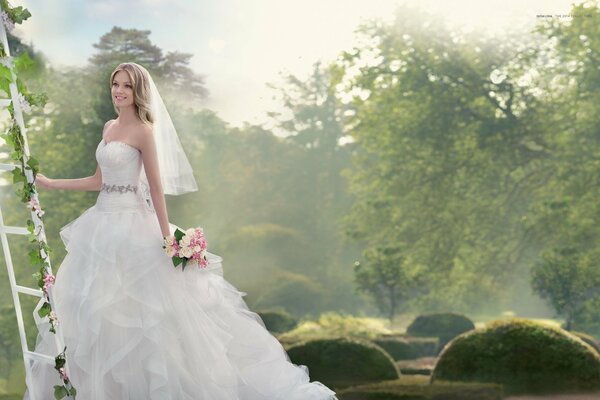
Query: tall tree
{"points": [[171, 71], [447, 144]]}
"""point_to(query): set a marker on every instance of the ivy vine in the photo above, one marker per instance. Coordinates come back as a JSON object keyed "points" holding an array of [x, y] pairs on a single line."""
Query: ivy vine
{"points": [[39, 253]]}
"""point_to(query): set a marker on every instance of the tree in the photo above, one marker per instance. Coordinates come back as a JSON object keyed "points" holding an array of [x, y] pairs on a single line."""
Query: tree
{"points": [[384, 278], [171, 72], [564, 281], [449, 150]]}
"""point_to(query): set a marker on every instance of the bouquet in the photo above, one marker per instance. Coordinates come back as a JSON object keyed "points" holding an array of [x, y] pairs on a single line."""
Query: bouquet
{"points": [[186, 247]]}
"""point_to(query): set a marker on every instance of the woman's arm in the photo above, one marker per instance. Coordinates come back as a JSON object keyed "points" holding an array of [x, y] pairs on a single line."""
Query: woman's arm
{"points": [[93, 182], [150, 160]]}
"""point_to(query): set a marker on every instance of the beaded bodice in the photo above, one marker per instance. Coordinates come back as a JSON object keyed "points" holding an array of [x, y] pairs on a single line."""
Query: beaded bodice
{"points": [[121, 165]]}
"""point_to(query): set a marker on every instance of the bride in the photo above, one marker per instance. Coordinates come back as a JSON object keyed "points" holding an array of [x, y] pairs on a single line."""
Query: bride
{"points": [[134, 326]]}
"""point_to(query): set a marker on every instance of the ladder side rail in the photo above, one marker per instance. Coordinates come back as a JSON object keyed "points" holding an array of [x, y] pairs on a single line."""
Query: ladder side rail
{"points": [[58, 338]]}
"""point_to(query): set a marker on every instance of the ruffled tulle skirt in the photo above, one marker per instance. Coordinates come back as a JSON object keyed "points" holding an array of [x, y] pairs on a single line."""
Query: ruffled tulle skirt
{"points": [[135, 327]]}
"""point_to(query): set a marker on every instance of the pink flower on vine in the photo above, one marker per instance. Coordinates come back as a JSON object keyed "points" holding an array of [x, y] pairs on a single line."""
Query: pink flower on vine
{"points": [[63, 373], [34, 205], [48, 281]]}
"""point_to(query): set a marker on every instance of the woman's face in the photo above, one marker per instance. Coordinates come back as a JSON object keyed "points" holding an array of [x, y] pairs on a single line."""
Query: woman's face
{"points": [[122, 90]]}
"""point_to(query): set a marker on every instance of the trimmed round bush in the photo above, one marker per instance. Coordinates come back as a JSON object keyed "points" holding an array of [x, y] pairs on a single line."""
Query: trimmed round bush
{"points": [[445, 326], [589, 339], [397, 348], [343, 362], [277, 321], [522, 355]]}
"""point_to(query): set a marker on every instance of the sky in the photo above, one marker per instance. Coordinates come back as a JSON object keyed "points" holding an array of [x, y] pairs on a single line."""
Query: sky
{"points": [[241, 45]]}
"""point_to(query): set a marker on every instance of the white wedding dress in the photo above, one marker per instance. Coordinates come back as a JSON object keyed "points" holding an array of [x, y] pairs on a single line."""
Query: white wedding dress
{"points": [[137, 328]]}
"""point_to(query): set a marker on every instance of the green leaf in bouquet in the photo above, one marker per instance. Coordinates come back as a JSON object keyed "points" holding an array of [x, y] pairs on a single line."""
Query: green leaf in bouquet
{"points": [[177, 261], [179, 234]]}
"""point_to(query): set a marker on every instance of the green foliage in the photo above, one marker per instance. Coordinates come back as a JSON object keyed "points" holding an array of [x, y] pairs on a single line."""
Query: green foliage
{"points": [[444, 326], [587, 318], [332, 325], [343, 362], [278, 321], [299, 294], [589, 339], [383, 276], [524, 356], [398, 349], [16, 14], [565, 281]]}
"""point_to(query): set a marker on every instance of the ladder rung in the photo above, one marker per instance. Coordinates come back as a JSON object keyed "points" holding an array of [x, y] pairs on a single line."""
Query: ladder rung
{"points": [[7, 167], [16, 230], [32, 355], [5, 102], [30, 291]]}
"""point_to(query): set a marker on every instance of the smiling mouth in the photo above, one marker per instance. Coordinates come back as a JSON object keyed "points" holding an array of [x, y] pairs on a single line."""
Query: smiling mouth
{"points": [[120, 98]]}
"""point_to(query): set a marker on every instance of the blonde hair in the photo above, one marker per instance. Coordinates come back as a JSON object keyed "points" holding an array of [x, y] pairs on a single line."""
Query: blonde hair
{"points": [[141, 89]]}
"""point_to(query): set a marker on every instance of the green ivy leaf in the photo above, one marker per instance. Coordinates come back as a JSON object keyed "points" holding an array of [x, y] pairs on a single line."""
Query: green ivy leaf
{"points": [[18, 175], [60, 392], [19, 14], [45, 310], [35, 259], [33, 163]]}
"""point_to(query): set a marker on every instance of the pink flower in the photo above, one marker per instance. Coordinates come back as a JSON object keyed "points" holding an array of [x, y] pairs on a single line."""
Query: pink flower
{"points": [[191, 247], [48, 281], [63, 374], [34, 205]]}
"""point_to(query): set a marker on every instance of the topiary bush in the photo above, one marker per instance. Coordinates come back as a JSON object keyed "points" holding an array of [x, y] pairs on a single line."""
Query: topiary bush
{"points": [[522, 355], [589, 339], [399, 349], [342, 362], [420, 346], [444, 326], [277, 321]]}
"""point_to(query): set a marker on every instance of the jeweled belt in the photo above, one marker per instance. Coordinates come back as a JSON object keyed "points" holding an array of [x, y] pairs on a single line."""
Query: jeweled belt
{"points": [[118, 188]]}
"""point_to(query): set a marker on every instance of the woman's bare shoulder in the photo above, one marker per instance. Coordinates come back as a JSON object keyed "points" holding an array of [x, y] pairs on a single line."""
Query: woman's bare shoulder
{"points": [[108, 123], [143, 134]]}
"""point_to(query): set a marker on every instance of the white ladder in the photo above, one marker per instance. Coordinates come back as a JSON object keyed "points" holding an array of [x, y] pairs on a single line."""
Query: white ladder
{"points": [[28, 356]]}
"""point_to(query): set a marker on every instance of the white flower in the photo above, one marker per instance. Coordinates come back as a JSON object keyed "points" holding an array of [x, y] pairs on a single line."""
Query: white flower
{"points": [[185, 241], [53, 319], [25, 106], [8, 23], [186, 251], [170, 240], [190, 232], [170, 250], [197, 248]]}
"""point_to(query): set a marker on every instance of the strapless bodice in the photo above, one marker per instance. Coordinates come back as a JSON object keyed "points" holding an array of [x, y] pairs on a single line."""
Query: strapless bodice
{"points": [[121, 165]]}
